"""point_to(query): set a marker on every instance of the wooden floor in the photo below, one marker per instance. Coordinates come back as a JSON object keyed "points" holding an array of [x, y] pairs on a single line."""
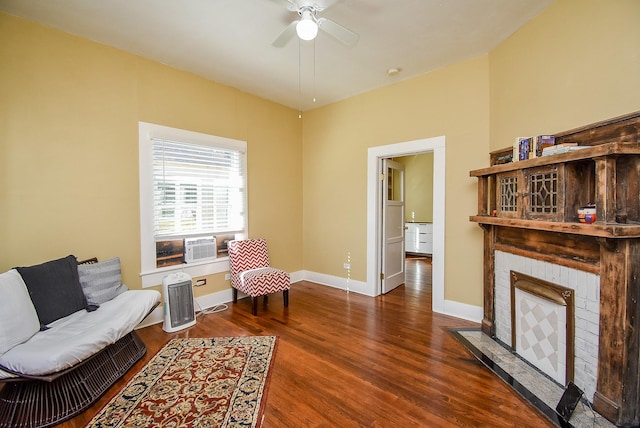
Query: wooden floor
{"points": [[347, 360]]}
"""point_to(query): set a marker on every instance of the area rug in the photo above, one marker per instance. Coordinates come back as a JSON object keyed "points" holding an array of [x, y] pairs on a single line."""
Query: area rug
{"points": [[213, 382]]}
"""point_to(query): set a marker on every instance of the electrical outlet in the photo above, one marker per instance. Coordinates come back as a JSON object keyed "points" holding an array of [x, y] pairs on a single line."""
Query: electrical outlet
{"points": [[347, 265], [227, 276]]}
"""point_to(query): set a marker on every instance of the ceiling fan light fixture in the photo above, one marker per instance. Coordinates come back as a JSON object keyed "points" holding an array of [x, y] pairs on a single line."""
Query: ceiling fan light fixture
{"points": [[307, 28]]}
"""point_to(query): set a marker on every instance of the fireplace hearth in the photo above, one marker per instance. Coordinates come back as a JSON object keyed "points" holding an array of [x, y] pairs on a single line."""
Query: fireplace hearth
{"points": [[532, 385]]}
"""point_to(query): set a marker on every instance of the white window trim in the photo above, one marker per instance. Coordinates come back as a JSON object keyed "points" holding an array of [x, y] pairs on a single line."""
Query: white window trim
{"points": [[150, 274]]}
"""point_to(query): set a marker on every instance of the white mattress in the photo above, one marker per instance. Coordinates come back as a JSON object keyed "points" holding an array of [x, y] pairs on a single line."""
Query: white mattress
{"points": [[72, 339]]}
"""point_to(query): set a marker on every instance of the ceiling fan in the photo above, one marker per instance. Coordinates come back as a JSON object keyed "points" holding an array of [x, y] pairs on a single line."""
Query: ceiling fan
{"points": [[306, 27]]}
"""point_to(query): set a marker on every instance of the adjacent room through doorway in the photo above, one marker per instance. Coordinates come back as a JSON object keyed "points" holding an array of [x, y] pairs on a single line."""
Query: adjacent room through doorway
{"points": [[434, 147]]}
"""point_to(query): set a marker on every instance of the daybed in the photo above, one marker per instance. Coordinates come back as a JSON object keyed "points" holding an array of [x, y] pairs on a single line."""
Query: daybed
{"points": [[66, 335]]}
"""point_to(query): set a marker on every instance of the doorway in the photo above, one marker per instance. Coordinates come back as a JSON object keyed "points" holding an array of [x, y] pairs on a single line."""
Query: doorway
{"points": [[374, 215]]}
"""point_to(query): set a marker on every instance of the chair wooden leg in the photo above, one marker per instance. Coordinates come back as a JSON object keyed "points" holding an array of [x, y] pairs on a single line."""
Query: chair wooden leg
{"points": [[266, 299], [254, 305], [285, 296], [235, 295]]}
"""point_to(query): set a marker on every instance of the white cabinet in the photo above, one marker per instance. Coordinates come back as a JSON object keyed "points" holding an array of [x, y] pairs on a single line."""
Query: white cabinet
{"points": [[419, 238]]}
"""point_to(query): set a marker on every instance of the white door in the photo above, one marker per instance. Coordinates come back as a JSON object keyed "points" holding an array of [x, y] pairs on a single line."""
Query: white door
{"points": [[392, 274]]}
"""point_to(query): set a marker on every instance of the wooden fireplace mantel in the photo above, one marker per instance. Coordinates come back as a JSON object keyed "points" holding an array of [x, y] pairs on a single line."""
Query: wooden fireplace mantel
{"points": [[530, 208]]}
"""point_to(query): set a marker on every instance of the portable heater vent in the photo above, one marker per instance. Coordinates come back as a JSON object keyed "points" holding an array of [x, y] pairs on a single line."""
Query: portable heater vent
{"points": [[199, 249], [179, 310]]}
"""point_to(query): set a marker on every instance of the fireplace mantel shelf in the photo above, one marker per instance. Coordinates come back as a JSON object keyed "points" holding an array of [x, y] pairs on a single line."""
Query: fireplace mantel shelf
{"points": [[614, 148], [597, 229]]}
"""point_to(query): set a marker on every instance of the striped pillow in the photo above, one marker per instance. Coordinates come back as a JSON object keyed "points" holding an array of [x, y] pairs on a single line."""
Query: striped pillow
{"points": [[101, 281]]}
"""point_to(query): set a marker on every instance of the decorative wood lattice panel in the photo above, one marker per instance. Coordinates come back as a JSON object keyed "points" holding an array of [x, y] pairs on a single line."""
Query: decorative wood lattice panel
{"points": [[544, 192], [509, 194]]}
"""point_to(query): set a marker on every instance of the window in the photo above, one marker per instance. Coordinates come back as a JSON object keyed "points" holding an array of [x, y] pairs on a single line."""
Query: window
{"points": [[191, 186], [198, 190]]}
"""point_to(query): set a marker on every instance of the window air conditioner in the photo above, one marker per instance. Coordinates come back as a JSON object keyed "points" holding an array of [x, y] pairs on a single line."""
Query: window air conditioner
{"points": [[199, 249], [179, 310]]}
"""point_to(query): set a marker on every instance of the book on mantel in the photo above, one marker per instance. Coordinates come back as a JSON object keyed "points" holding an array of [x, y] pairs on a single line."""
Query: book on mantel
{"points": [[561, 148]]}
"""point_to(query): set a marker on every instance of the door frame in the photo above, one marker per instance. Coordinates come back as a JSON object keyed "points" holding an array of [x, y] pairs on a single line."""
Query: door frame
{"points": [[374, 211]]}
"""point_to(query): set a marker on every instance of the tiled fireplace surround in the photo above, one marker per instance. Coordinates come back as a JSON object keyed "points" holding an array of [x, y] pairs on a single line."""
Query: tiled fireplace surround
{"points": [[586, 288]]}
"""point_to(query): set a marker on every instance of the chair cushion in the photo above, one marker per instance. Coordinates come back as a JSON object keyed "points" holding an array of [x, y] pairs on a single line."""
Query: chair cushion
{"points": [[54, 288], [261, 281], [74, 338], [101, 281], [18, 317]]}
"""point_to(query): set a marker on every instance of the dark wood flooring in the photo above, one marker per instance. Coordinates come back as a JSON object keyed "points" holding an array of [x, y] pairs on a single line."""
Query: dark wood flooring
{"points": [[347, 360]]}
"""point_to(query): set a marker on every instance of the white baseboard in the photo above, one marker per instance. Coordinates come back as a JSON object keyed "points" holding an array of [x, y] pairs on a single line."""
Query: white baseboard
{"points": [[214, 299], [451, 308], [155, 317], [203, 302], [463, 310], [336, 282], [297, 276]]}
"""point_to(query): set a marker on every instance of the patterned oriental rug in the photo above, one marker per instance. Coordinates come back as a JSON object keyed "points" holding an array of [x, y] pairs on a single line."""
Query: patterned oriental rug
{"points": [[219, 382]]}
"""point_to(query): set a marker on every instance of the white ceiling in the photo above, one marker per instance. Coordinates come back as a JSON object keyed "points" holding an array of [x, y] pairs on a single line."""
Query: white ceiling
{"points": [[229, 41]]}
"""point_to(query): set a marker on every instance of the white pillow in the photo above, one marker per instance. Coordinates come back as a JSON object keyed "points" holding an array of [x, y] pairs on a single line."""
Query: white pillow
{"points": [[18, 317]]}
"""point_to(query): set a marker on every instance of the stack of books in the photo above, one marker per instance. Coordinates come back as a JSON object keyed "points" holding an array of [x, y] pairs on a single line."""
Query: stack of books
{"points": [[543, 145], [531, 147]]}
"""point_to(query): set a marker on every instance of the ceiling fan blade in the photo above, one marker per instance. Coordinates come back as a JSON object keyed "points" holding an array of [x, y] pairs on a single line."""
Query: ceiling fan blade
{"points": [[287, 34], [337, 31], [321, 5], [288, 4]]}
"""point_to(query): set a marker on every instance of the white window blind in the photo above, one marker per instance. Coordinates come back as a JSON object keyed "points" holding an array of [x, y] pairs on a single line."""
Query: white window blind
{"points": [[197, 189]]}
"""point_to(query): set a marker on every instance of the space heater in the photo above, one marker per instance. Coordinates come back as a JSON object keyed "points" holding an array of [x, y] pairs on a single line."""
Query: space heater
{"points": [[179, 310]]}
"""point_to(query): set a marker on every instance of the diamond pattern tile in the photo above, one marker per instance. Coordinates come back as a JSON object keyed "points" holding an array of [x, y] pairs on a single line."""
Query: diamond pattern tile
{"points": [[540, 334]]}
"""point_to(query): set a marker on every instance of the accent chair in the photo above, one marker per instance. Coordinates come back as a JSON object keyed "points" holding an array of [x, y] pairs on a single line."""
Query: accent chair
{"points": [[252, 273]]}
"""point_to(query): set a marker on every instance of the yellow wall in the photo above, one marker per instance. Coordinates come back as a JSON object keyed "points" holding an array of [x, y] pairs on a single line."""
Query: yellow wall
{"points": [[69, 112], [452, 102], [418, 171], [575, 64]]}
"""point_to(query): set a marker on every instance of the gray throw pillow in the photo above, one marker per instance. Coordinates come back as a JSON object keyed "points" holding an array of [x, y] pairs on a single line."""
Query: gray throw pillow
{"points": [[101, 281]]}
